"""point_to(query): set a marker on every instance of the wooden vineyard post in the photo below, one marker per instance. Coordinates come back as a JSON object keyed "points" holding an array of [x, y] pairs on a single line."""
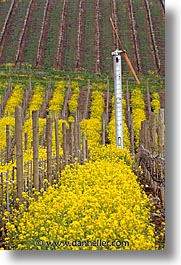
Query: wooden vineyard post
{"points": [[7, 191], [10, 84], [35, 150], [161, 133], [72, 141], [107, 102], [104, 128], [148, 99], [141, 142], [64, 132], [161, 141], [49, 149], [146, 134], [85, 115], [128, 104], [83, 147], [147, 145], [130, 121], [87, 149], [152, 127], [76, 140], [1, 189], [67, 94], [152, 144], [26, 141], [30, 84], [57, 144], [19, 150], [8, 139]]}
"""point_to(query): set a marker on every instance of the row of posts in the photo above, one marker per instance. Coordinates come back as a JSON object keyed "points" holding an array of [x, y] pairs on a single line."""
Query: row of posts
{"points": [[74, 146]]}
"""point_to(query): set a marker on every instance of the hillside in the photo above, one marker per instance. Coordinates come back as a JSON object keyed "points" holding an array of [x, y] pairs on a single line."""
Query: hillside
{"points": [[76, 34]]}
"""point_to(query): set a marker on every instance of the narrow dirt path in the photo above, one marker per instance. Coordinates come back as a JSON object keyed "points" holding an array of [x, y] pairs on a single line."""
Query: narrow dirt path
{"points": [[43, 34], [97, 37], [79, 38], [6, 26], [62, 35], [24, 32]]}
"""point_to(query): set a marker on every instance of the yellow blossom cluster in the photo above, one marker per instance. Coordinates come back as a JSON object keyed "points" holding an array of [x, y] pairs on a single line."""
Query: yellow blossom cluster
{"points": [[56, 103], [93, 126], [14, 100], [37, 98], [155, 102], [99, 200], [138, 112], [73, 102], [3, 87], [28, 153], [97, 106], [6, 120]]}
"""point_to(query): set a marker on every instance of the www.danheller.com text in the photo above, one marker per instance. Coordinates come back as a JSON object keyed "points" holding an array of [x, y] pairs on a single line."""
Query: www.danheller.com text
{"points": [[82, 243]]}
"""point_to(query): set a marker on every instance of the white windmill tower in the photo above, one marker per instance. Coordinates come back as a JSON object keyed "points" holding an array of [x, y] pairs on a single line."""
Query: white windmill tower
{"points": [[118, 86]]}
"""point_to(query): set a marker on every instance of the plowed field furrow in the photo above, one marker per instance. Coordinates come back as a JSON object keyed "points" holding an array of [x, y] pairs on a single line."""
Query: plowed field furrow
{"points": [[162, 2], [134, 36], [61, 35], [34, 26], [80, 36], [158, 20], [98, 49], [152, 36], [4, 8], [88, 41], [43, 33], [144, 40], [6, 27], [71, 35], [23, 34]]}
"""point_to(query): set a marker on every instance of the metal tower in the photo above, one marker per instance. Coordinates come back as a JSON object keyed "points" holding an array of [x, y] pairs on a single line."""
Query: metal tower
{"points": [[118, 97], [118, 86]]}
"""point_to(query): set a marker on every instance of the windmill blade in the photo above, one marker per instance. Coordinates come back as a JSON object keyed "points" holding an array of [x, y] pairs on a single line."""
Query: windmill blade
{"points": [[124, 53]]}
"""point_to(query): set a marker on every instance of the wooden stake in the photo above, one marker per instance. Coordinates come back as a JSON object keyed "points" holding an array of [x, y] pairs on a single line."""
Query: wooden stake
{"points": [[161, 132], [83, 147], [72, 140], [152, 127], [107, 102], [76, 146], [49, 149], [35, 150], [19, 150], [7, 191], [25, 141], [64, 132], [85, 115], [104, 129], [148, 99], [57, 144], [8, 140]]}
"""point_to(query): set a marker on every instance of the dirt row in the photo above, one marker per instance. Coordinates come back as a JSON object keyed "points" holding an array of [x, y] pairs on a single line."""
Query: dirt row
{"points": [[43, 34], [77, 63], [61, 44], [6, 27]]}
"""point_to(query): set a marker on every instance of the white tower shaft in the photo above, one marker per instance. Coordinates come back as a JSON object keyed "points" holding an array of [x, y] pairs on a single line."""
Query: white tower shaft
{"points": [[118, 97]]}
